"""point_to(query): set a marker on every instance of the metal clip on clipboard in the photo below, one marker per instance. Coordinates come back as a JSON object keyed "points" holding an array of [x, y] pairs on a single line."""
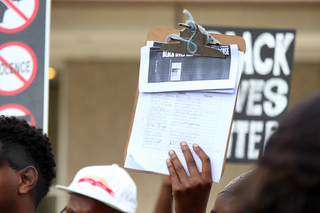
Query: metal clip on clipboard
{"points": [[199, 39]]}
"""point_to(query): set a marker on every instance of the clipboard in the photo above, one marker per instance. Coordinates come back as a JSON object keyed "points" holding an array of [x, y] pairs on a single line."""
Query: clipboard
{"points": [[160, 35]]}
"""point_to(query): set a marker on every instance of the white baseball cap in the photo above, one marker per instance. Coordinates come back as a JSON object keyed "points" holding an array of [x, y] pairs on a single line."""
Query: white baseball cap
{"points": [[111, 185]]}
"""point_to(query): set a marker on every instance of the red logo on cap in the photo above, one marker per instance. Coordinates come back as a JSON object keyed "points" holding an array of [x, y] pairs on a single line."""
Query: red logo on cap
{"points": [[98, 184]]}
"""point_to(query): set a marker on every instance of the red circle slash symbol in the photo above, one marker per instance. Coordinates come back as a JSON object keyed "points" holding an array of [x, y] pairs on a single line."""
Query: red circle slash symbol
{"points": [[16, 15], [18, 67], [18, 111]]}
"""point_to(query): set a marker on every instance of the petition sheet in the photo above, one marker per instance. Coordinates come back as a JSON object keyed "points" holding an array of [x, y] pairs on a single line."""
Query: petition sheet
{"points": [[163, 120], [166, 71]]}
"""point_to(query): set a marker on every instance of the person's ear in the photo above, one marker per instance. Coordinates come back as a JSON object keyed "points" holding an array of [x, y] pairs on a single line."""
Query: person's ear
{"points": [[28, 179]]}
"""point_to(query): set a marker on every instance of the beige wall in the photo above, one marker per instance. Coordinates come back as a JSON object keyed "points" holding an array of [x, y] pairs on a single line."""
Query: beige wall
{"points": [[95, 47], [100, 103], [96, 30], [305, 81]]}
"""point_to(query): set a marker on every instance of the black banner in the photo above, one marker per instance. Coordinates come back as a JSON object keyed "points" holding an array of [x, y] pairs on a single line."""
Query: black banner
{"points": [[264, 89]]}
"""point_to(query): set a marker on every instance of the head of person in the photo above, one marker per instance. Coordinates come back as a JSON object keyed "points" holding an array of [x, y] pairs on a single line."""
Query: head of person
{"points": [[26, 165], [288, 176], [226, 197], [101, 189]]}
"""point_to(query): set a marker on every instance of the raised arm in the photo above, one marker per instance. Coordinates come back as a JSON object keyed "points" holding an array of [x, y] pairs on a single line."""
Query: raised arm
{"points": [[164, 203], [190, 194]]}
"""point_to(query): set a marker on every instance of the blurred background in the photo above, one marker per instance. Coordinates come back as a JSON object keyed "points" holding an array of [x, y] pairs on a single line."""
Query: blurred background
{"points": [[95, 51]]}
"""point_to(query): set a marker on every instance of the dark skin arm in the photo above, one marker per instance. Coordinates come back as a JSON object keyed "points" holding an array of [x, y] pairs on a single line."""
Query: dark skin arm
{"points": [[164, 203], [224, 203], [190, 194]]}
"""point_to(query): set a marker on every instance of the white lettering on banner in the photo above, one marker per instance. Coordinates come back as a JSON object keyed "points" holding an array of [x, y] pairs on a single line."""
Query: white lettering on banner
{"points": [[280, 60], [278, 101], [256, 127], [275, 91], [280, 44], [241, 128], [254, 96], [271, 126], [248, 65], [263, 67], [242, 95], [251, 131]]}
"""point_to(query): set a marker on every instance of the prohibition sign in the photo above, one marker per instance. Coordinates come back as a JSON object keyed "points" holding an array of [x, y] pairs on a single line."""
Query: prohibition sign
{"points": [[16, 15], [18, 111], [18, 67]]}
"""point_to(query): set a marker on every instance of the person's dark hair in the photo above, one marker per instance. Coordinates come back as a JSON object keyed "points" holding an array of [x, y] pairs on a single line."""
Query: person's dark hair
{"points": [[288, 177], [24, 145]]}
